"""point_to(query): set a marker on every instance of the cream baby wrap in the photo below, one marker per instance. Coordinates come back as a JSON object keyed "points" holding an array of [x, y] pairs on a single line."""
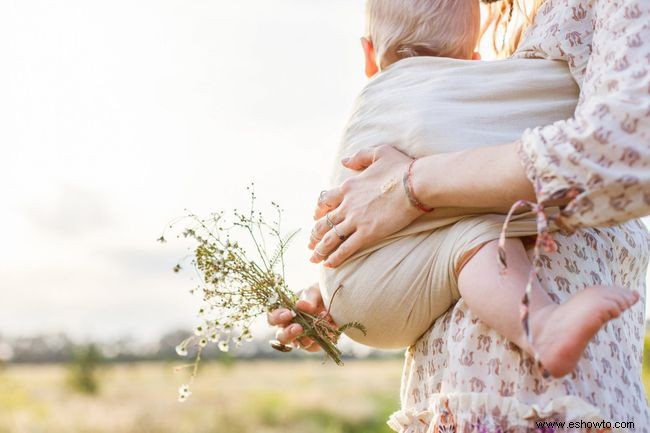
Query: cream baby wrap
{"points": [[426, 105]]}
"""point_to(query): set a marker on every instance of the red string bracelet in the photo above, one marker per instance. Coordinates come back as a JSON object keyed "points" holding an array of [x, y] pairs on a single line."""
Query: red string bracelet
{"points": [[408, 187]]}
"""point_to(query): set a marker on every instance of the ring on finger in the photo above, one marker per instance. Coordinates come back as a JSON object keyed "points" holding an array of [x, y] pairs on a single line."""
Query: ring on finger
{"points": [[329, 221], [339, 235], [318, 253], [313, 237]]}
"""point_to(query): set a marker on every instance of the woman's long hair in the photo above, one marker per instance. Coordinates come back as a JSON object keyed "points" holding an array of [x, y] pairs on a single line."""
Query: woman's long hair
{"points": [[506, 21]]}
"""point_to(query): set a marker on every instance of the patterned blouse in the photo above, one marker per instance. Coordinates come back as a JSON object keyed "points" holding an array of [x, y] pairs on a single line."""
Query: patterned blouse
{"points": [[602, 155], [462, 376]]}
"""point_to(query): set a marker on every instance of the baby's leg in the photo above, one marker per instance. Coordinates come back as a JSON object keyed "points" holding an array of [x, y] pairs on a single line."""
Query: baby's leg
{"points": [[560, 332]]}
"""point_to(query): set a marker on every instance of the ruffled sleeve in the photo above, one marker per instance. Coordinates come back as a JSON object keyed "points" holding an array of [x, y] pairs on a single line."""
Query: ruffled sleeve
{"points": [[600, 158]]}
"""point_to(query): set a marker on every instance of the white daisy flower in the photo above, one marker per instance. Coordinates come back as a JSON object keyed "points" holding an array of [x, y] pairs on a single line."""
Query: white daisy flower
{"points": [[184, 393], [181, 350]]}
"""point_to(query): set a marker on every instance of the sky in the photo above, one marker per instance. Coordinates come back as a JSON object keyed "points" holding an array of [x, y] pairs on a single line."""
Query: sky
{"points": [[117, 116]]}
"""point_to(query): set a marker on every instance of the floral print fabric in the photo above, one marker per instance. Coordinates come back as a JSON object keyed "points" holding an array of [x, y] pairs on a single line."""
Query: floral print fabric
{"points": [[601, 155], [464, 377], [462, 369]]}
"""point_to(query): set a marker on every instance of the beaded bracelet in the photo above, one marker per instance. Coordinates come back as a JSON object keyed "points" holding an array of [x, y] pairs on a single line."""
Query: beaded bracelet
{"points": [[408, 187]]}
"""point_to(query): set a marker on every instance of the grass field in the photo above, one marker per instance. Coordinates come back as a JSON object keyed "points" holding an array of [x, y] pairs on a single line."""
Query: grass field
{"points": [[260, 397]]}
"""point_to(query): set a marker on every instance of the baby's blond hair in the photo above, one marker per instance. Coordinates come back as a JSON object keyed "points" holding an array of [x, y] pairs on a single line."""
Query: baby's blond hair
{"points": [[410, 28]]}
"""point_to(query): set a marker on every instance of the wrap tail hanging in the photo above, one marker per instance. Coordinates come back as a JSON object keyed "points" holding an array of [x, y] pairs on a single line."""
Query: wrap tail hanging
{"points": [[544, 242]]}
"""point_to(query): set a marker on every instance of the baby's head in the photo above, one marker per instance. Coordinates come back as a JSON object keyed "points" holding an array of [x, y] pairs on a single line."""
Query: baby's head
{"points": [[396, 29]]}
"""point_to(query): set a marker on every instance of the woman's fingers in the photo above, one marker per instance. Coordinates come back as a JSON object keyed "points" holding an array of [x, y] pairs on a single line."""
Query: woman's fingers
{"points": [[373, 207], [331, 242], [311, 300], [289, 334], [304, 343], [361, 160], [327, 201], [345, 250], [313, 348], [280, 317], [322, 227], [318, 232]]}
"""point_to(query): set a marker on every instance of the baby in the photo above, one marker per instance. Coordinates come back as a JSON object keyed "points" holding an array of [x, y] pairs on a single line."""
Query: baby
{"points": [[427, 96]]}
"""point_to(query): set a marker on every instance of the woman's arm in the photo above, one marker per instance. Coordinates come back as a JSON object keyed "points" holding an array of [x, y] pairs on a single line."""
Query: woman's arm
{"points": [[373, 205], [602, 155], [484, 177]]}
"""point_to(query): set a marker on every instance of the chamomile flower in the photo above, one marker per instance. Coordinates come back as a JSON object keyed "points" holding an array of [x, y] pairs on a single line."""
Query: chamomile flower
{"points": [[224, 346], [236, 287], [184, 393], [246, 335]]}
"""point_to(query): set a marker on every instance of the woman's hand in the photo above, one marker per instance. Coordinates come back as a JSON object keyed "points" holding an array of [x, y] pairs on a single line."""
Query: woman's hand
{"points": [[365, 208], [311, 302]]}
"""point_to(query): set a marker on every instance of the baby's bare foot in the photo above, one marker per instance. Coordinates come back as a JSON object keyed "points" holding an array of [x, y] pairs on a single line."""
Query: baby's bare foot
{"points": [[561, 332]]}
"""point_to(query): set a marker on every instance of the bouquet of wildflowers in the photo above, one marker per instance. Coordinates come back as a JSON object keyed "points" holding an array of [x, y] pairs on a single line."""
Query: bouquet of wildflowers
{"points": [[237, 286]]}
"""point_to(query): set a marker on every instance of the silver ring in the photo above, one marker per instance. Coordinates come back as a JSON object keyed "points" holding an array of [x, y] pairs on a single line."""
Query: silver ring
{"points": [[339, 235], [313, 237], [318, 253], [329, 221], [320, 196]]}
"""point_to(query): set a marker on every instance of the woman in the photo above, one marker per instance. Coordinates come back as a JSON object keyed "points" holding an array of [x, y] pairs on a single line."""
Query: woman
{"points": [[460, 374]]}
